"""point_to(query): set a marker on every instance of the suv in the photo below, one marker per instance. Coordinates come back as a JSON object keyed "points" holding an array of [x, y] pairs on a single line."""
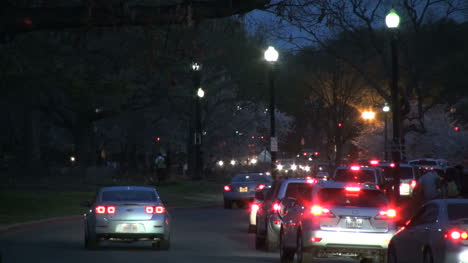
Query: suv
{"points": [[268, 222], [338, 219], [359, 174], [408, 177]]}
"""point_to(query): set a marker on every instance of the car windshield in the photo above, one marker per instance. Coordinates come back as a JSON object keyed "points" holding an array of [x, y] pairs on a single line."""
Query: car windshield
{"points": [[405, 172], [341, 197], [128, 195], [263, 178], [360, 176], [457, 211]]}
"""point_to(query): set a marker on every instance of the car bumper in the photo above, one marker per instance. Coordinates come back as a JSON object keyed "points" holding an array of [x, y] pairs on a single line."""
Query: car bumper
{"points": [[132, 229], [348, 241], [237, 196]]}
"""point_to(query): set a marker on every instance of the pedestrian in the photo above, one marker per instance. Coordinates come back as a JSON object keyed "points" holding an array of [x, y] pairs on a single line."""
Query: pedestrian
{"points": [[160, 163], [428, 186]]}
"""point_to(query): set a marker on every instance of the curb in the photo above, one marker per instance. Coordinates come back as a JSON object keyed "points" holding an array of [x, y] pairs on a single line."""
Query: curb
{"points": [[37, 223]]}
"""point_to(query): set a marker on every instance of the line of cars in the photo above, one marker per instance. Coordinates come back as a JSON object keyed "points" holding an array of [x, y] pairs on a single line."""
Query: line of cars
{"points": [[349, 215]]}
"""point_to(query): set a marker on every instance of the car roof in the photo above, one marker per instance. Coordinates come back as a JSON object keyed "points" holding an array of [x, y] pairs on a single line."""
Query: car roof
{"points": [[127, 187], [341, 185], [401, 165], [294, 180]]}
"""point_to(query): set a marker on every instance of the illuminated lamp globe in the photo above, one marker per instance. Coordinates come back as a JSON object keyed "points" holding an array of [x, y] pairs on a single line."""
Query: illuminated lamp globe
{"points": [[271, 55], [392, 19]]}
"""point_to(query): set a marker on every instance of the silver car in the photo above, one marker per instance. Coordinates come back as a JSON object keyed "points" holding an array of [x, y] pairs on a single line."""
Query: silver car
{"points": [[127, 213], [437, 233], [338, 219], [243, 186]]}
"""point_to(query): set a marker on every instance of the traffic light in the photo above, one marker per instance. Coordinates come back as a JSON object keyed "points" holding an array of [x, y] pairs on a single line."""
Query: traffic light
{"points": [[340, 124], [158, 139], [456, 128]]}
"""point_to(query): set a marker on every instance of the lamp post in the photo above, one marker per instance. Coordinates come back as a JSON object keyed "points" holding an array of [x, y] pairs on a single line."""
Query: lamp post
{"points": [[197, 94], [393, 20], [385, 110], [271, 56]]}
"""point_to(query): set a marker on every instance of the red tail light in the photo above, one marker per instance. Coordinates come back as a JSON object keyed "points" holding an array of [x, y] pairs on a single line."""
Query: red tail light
{"points": [[456, 235], [260, 187], [159, 209], [315, 239], [413, 183], [320, 211], [149, 210], [227, 188], [392, 165], [276, 207], [374, 162], [255, 207], [100, 210], [111, 210], [352, 189], [311, 181], [355, 168], [386, 214]]}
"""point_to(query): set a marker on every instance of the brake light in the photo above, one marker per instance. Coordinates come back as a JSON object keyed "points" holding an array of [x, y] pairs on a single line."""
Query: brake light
{"points": [[159, 209], [111, 210], [457, 235], [320, 211], [276, 207], [149, 210], [100, 210], [311, 181], [374, 162], [315, 239], [413, 183], [392, 165], [352, 189], [255, 207], [227, 188], [387, 214], [355, 168], [260, 187]]}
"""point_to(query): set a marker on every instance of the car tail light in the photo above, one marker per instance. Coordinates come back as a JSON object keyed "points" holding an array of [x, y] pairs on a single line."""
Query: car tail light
{"points": [[277, 222], [255, 207], [260, 187], [355, 168], [386, 214], [320, 211], [374, 162], [353, 189], [456, 235], [392, 165], [100, 210], [149, 210], [110, 210], [413, 184], [227, 188], [315, 239], [276, 207], [159, 209]]}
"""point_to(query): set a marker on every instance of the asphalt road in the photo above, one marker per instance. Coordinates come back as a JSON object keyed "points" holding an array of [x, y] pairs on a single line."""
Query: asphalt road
{"points": [[199, 235]]}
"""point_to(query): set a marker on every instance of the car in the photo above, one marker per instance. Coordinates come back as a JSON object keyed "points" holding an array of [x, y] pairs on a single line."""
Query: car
{"points": [[438, 232], [127, 213], [337, 219], [359, 174], [254, 206], [242, 187], [268, 223], [408, 177], [322, 175]]}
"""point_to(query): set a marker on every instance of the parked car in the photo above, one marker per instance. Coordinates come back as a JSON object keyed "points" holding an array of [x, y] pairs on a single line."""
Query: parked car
{"points": [[408, 177], [337, 219], [359, 174], [127, 213], [242, 187], [438, 232], [268, 223]]}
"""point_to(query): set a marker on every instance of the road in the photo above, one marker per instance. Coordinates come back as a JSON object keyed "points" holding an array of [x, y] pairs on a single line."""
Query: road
{"points": [[199, 235]]}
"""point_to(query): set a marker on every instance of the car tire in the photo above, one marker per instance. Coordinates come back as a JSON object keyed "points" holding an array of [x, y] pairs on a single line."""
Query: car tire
{"points": [[163, 244], [227, 204], [286, 255], [428, 258], [302, 256], [271, 242], [391, 255], [90, 241]]}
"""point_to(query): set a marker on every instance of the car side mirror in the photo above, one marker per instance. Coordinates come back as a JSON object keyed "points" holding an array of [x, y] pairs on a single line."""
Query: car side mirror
{"points": [[86, 204], [260, 195]]}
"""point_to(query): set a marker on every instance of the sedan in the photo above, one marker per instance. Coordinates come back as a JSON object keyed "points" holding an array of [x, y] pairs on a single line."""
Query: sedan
{"points": [[242, 188], [438, 232], [127, 213]]}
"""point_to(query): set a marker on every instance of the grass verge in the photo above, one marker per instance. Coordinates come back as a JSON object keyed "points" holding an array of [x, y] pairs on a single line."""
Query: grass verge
{"points": [[27, 203]]}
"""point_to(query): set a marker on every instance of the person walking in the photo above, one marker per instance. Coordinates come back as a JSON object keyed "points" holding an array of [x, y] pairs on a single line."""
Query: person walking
{"points": [[160, 163]]}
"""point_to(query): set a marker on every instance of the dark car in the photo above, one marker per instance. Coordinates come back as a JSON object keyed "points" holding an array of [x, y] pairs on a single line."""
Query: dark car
{"points": [[242, 188]]}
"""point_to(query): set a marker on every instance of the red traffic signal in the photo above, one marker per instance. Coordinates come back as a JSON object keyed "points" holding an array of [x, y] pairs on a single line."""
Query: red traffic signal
{"points": [[158, 139], [456, 128]]}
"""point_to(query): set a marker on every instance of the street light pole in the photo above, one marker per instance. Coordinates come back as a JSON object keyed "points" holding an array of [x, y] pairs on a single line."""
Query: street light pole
{"points": [[197, 138], [271, 56], [392, 20], [385, 110]]}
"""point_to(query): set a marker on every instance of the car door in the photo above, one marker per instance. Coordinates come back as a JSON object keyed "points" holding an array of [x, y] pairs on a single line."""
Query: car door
{"points": [[404, 241], [424, 231], [265, 208]]}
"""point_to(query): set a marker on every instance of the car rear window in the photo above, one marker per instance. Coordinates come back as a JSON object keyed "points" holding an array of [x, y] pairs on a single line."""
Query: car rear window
{"points": [[300, 191], [361, 176], [405, 172], [128, 195], [457, 211], [363, 198], [251, 178]]}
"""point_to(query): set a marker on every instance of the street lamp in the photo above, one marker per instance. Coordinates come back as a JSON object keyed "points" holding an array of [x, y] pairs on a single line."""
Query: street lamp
{"points": [[271, 56], [385, 110], [393, 20], [198, 93], [368, 115]]}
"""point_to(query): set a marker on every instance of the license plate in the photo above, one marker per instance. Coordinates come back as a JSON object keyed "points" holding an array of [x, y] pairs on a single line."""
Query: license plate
{"points": [[127, 228], [243, 189], [353, 222]]}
